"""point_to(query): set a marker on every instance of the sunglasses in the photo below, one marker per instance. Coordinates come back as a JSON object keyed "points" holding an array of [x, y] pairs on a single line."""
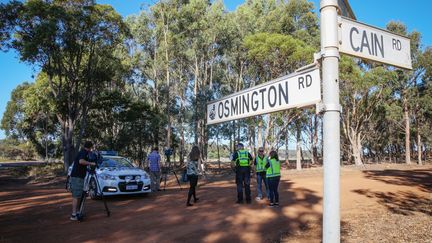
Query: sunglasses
{"points": [[261, 151]]}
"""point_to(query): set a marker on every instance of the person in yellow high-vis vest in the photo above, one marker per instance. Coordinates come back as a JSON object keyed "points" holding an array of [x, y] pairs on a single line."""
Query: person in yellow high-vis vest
{"points": [[273, 177], [260, 162], [243, 159]]}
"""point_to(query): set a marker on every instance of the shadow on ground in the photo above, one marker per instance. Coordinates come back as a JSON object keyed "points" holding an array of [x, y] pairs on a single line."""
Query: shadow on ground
{"points": [[40, 213], [402, 202], [418, 178]]}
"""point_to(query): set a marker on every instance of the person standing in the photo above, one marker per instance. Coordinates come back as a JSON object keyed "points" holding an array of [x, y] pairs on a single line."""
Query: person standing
{"points": [[273, 177], [153, 160], [79, 171], [192, 174], [242, 159], [260, 163]]}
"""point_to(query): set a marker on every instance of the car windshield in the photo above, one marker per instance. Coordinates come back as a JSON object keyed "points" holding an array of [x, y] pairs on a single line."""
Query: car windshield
{"points": [[116, 162]]}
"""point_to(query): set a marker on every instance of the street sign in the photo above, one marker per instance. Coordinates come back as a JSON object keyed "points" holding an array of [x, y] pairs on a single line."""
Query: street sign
{"points": [[294, 90], [375, 44]]}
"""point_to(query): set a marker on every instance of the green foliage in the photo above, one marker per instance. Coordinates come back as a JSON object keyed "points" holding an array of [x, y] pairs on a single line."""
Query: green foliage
{"points": [[146, 81], [277, 54], [74, 44], [13, 117], [12, 149]]}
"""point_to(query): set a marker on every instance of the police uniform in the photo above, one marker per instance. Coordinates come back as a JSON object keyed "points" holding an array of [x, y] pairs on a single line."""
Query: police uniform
{"points": [[273, 177], [242, 158], [260, 163]]}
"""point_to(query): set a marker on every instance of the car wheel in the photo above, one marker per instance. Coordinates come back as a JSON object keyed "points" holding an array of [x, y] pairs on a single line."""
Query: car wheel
{"points": [[93, 190]]}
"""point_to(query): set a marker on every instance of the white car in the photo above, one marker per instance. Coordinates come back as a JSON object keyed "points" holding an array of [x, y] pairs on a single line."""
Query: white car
{"points": [[117, 176]]}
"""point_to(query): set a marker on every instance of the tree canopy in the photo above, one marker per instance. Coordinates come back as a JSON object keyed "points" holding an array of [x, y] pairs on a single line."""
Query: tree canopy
{"points": [[130, 84]]}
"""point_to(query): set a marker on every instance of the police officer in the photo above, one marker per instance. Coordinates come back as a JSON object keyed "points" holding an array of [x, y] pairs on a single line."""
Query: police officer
{"points": [[242, 159], [273, 177], [260, 163]]}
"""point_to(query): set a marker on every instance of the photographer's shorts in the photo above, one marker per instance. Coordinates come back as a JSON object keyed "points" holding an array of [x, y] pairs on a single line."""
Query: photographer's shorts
{"points": [[77, 185]]}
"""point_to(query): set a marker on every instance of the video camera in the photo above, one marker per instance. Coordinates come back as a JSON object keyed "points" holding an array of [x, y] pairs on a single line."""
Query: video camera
{"points": [[96, 157], [168, 152]]}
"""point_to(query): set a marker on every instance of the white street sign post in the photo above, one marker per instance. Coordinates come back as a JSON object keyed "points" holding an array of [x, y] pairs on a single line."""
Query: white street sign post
{"points": [[294, 90], [331, 122], [375, 44], [358, 40]]}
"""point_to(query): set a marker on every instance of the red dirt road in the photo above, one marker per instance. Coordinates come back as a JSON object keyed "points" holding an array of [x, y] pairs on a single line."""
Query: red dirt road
{"points": [[40, 212]]}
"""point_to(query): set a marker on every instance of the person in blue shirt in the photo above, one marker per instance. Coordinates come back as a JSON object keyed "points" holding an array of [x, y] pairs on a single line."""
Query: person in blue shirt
{"points": [[242, 159], [153, 160]]}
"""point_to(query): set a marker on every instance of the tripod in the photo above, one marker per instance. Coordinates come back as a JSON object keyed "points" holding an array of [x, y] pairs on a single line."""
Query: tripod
{"points": [[91, 186], [167, 170]]}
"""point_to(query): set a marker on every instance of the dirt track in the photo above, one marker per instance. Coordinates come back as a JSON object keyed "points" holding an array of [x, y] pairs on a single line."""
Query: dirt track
{"points": [[381, 204]]}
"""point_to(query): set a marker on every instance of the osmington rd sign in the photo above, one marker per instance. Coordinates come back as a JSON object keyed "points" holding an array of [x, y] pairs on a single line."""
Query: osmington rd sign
{"points": [[375, 44], [294, 90]]}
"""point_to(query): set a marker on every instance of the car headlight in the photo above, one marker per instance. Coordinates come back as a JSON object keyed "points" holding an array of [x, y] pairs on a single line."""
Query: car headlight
{"points": [[107, 177], [137, 178]]}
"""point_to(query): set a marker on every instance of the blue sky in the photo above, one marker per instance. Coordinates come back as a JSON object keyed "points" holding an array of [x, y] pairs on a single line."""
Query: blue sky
{"points": [[415, 15]]}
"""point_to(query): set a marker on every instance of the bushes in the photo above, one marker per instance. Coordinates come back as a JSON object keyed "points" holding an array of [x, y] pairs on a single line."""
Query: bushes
{"points": [[17, 151], [46, 172]]}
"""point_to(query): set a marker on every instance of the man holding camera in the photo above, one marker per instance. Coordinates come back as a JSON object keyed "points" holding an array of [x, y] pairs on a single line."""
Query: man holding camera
{"points": [[79, 171]]}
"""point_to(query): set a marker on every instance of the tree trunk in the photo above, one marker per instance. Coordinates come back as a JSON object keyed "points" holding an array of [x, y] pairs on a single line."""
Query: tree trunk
{"points": [[182, 143], [419, 148], [407, 133], [218, 151], [260, 131], [68, 145], [298, 147], [287, 147], [196, 78], [356, 149], [315, 141], [250, 136]]}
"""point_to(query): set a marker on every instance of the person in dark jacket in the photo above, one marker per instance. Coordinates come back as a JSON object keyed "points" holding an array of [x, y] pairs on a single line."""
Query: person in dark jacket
{"points": [[242, 159], [79, 171]]}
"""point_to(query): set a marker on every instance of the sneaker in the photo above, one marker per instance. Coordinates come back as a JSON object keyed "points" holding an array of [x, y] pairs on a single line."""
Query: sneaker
{"points": [[271, 205], [258, 198], [73, 217], [189, 204], [276, 204]]}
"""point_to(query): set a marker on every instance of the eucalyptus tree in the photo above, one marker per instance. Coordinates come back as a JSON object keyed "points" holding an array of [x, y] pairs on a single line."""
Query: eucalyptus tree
{"points": [[424, 113], [422, 101], [406, 81], [267, 58], [30, 116], [363, 92], [272, 56], [73, 43], [13, 117]]}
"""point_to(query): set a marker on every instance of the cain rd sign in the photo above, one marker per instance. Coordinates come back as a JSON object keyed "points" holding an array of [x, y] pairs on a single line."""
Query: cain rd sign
{"points": [[294, 90], [368, 42]]}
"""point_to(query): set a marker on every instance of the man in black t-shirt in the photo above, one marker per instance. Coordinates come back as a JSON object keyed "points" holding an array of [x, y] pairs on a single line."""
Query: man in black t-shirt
{"points": [[79, 171]]}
